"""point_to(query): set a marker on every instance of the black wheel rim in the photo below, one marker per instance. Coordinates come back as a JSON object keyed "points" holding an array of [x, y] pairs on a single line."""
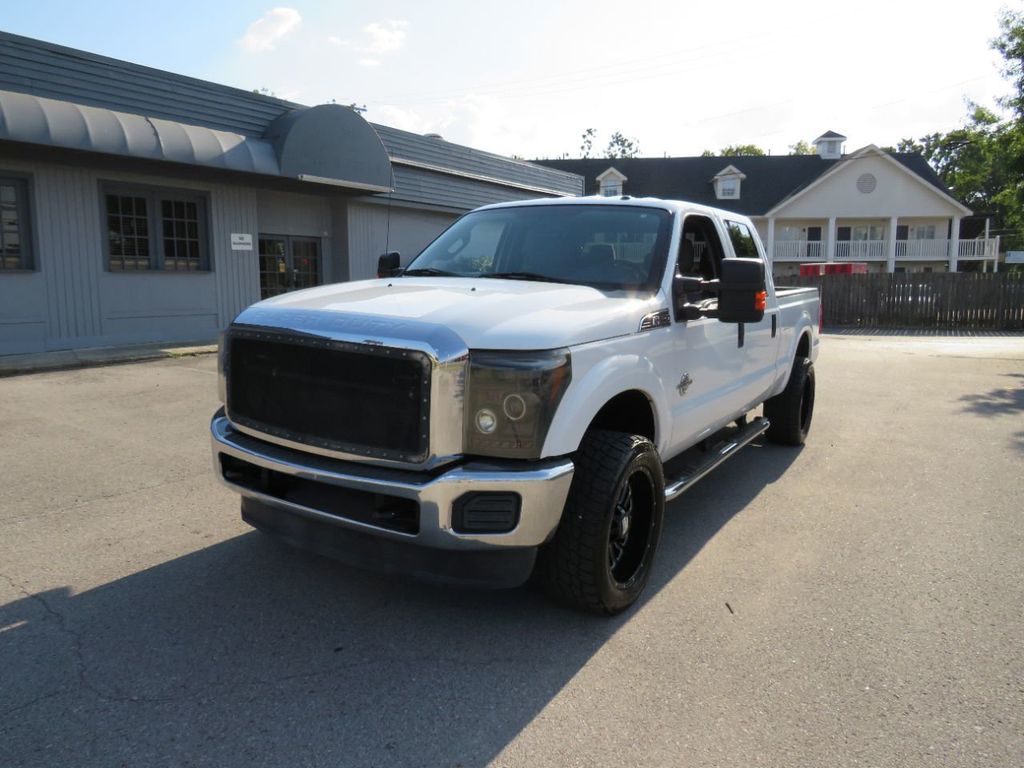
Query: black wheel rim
{"points": [[631, 529]]}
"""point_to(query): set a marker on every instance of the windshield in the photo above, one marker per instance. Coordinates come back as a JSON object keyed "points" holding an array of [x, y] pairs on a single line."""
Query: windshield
{"points": [[611, 247]]}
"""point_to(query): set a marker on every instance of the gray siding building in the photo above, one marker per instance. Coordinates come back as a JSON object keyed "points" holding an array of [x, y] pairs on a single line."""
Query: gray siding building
{"points": [[138, 205]]}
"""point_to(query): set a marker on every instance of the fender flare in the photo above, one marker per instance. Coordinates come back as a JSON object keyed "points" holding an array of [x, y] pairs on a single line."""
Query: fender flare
{"points": [[587, 396], [804, 327]]}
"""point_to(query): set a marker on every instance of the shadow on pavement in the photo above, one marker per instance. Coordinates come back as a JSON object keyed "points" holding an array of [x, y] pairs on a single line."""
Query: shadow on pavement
{"points": [[1009, 399], [252, 653]]}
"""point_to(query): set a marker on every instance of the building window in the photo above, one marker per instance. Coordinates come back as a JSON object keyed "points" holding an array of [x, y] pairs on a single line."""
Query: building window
{"points": [[155, 230], [611, 188], [15, 243], [728, 188], [128, 232]]}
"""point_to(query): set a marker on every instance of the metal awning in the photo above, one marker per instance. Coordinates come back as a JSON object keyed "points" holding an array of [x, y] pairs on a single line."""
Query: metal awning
{"points": [[327, 144]]}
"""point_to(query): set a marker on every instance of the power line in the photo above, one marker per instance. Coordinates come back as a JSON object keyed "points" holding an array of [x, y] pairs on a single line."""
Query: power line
{"points": [[621, 72]]}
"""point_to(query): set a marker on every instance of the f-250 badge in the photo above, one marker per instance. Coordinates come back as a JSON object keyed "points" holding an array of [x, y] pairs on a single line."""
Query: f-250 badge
{"points": [[684, 384]]}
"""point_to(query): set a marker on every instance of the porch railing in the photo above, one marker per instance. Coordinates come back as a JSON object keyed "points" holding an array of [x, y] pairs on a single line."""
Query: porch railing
{"points": [[799, 250], [862, 250], [878, 250], [923, 250], [980, 248]]}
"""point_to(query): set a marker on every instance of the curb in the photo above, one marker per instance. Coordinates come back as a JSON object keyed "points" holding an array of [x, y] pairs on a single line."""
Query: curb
{"points": [[17, 365]]}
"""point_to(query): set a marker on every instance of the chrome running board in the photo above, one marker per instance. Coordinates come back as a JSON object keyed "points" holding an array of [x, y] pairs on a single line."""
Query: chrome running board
{"points": [[737, 440]]}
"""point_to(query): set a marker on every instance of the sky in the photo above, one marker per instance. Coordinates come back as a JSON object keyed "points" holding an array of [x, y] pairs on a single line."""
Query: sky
{"points": [[526, 78]]}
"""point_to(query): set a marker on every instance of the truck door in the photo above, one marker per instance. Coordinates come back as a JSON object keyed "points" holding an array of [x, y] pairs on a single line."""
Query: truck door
{"points": [[759, 342], [707, 378]]}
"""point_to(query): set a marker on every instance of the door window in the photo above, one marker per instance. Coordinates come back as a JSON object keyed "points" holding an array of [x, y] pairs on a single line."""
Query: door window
{"points": [[700, 250], [288, 264], [743, 244], [305, 262]]}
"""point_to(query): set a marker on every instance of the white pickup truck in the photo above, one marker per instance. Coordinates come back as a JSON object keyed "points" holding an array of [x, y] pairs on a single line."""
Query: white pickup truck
{"points": [[506, 404]]}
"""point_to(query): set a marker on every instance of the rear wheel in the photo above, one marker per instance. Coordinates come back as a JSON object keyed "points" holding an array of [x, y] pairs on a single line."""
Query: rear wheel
{"points": [[600, 559], [790, 411]]}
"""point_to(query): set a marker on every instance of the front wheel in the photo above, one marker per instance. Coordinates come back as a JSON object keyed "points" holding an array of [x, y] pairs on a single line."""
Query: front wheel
{"points": [[789, 412], [600, 559]]}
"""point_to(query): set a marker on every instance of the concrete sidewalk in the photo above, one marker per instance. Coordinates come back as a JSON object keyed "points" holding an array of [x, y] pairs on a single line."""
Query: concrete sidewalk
{"points": [[12, 365]]}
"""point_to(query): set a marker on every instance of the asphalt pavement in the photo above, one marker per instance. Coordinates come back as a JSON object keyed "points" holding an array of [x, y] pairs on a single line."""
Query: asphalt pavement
{"points": [[859, 602]]}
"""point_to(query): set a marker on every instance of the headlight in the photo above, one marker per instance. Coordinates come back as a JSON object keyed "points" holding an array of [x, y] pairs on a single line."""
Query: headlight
{"points": [[512, 400]]}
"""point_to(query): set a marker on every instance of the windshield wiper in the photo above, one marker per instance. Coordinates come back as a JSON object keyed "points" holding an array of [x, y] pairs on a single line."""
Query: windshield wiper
{"points": [[526, 276], [429, 272]]}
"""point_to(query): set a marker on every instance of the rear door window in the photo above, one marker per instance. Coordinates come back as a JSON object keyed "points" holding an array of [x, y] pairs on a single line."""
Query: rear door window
{"points": [[743, 243]]}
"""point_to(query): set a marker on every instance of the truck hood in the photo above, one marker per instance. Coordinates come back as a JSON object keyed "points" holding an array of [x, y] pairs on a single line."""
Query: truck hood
{"points": [[486, 313]]}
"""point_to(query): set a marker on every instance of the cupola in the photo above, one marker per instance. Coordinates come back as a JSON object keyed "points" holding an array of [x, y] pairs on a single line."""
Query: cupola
{"points": [[829, 145]]}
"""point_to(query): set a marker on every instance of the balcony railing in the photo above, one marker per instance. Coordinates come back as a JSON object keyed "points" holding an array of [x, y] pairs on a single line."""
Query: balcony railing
{"points": [[922, 250], [980, 248], [799, 250], [862, 250], [878, 250]]}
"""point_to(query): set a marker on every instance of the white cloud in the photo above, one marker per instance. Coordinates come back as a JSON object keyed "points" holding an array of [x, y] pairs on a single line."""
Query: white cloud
{"points": [[384, 36], [264, 33], [409, 120], [335, 40], [369, 62]]}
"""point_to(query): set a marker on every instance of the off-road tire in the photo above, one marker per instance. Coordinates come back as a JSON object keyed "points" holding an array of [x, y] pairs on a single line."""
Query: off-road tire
{"points": [[789, 412], [580, 567]]}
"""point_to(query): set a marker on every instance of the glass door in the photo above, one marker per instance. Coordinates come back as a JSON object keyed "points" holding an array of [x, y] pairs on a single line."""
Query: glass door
{"points": [[288, 264], [305, 264]]}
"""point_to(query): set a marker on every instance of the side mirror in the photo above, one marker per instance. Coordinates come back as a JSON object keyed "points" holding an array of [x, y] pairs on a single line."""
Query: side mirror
{"points": [[389, 264], [684, 286], [742, 293]]}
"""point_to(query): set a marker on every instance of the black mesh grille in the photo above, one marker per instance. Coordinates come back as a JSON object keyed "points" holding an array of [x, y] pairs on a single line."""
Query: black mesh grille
{"points": [[353, 398]]}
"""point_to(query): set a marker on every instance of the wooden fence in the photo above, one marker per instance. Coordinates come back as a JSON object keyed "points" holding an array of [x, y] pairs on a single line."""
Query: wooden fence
{"points": [[954, 301]]}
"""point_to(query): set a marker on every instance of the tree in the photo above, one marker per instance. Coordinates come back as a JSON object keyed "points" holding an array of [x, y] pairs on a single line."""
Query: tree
{"points": [[982, 162], [621, 146], [1010, 45], [736, 150], [587, 142], [801, 148]]}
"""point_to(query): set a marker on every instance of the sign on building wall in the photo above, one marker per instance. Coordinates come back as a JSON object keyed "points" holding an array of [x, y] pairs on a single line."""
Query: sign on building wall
{"points": [[241, 241]]}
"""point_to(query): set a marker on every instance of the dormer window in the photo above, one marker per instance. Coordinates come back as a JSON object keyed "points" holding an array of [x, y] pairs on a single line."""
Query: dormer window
{"points": [[611, 182], [727, 183], [829, 145]]}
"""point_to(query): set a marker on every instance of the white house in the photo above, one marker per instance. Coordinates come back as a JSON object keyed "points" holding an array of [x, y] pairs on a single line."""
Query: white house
{"points": [[889, 210]]}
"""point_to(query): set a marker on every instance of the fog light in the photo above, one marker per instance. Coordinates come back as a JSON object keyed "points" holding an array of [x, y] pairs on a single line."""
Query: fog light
{"points": [[486, 421], [486, 512], [514, 407]]}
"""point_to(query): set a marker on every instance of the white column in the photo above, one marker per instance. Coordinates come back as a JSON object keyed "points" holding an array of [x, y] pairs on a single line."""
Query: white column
{"points": [[830, 240], [770, 245], [995, 262], [954, 243], [891, 266]]}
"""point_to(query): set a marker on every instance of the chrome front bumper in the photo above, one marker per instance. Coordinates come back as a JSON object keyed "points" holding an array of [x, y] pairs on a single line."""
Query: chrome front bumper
{"points": [[541, 486]]}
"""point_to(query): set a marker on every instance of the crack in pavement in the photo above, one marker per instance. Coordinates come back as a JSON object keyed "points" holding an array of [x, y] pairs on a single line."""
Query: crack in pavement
{"points": [[76, 648], [332, 672]]}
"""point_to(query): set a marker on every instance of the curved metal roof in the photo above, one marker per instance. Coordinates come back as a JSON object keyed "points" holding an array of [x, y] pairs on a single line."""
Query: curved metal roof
{"points": [[330, 144], [35, 120]]}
